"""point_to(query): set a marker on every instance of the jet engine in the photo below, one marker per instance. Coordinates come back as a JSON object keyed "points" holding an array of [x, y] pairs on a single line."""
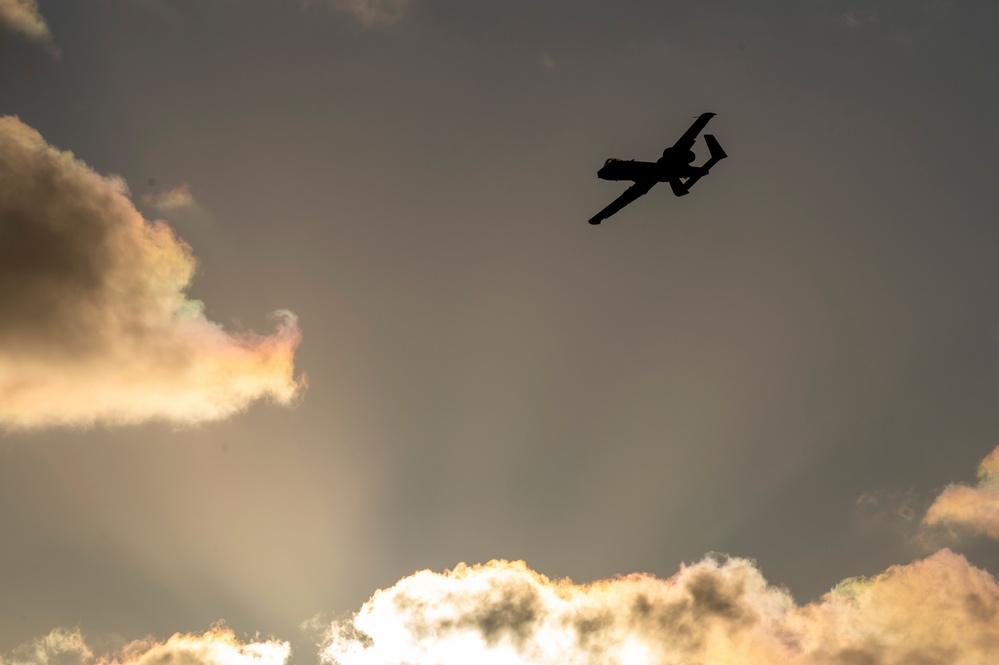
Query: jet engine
{"points": [[679, 156]]}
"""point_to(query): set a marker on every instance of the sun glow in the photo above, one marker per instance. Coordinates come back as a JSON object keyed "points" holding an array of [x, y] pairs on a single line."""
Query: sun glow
{"points": [[714, 611]]}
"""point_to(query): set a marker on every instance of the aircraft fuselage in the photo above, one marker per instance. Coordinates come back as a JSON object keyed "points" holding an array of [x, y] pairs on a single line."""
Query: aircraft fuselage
{"points": [[673, 164]]}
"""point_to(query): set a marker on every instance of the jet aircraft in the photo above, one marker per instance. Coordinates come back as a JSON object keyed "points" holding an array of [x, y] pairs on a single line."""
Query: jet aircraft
{"points": [[674, 167]]}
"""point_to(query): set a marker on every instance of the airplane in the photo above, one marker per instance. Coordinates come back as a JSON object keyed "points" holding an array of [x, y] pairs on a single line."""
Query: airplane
{"points": [[674, 167]]}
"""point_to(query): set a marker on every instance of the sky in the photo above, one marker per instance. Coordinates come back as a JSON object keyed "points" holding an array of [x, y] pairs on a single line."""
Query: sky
{"points": [[309, 356]]}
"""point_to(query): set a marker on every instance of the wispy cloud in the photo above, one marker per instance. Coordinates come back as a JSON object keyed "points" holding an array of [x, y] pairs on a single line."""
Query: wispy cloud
{"points": [[96, 325], [940, 609], [23, 17], [366, 13], [171, 199], [973, 507], [218, 646], [372, 12], [548, 63], [905, 21], [60, 647]]}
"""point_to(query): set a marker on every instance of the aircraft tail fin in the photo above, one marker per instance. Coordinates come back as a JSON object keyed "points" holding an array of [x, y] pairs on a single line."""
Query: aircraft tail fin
{"points": [[717, 154]]}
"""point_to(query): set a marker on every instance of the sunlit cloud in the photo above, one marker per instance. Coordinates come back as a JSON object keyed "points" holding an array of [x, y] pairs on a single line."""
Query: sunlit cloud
{"points": [[171, 199], [218, 646], [973, 507], [59, 647], [23, 17], [96, 325], [718, 611]]}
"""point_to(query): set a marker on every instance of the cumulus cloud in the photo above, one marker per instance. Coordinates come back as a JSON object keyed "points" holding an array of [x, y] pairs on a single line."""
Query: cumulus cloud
{"points": [[937, 610], [218, 646], [23, 17], [974, 507], [96, 325]]}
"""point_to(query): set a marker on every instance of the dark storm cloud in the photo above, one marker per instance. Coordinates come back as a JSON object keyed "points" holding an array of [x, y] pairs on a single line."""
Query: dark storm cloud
{"points": [[937, 610], [96, 325]]}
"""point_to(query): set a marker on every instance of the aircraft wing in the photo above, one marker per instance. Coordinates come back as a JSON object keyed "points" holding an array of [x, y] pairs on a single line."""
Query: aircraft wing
{"points": [[640, 188], [686, 142]]}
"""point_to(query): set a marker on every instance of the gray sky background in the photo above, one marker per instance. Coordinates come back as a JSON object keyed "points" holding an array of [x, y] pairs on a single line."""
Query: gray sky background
{"points": [[773, 367]]}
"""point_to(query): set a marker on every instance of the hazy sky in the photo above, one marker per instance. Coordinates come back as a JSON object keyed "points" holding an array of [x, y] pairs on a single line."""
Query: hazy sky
{"points": [[373, 333]]}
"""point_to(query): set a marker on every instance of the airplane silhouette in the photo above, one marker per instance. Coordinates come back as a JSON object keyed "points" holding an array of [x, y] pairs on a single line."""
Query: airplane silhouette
{"points": [[674, 167]]}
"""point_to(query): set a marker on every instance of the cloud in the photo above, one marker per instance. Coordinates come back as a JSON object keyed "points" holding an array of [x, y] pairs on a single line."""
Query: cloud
{"points": [[937, 610], [171, 199], [22, 16], [60, 647], [373, 12], [367, 13], [720, 610], [548, 63], [218, 646], [905, 21], [96, 326], [973, 507], [884, 505]]}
